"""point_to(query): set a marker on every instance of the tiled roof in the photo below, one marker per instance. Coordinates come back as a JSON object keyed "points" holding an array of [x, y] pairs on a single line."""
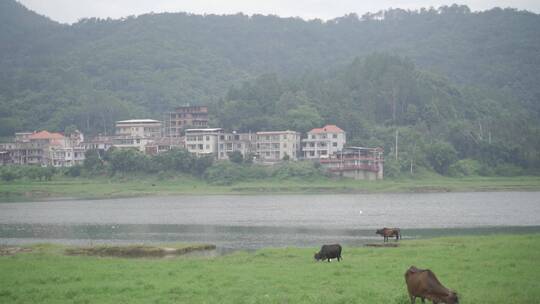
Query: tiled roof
{"points": [[46, 135], [327, 129]]}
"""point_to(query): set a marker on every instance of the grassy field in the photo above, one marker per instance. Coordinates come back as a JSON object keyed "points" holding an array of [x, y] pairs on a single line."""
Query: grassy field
{"points": [[487, 269], [148, 185]]}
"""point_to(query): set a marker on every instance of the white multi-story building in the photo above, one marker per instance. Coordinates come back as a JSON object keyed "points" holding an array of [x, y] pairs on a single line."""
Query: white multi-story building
{"points": [[323, 142], [136, 133], [274, 146], [245, 143], [203, 142], [141, 128]]}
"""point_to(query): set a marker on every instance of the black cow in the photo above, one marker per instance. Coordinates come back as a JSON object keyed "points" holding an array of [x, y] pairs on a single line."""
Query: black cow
{"points": [[328, 252]]}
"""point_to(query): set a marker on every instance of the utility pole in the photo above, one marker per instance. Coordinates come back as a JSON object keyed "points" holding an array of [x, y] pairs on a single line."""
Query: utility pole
{"points": [[397, 135], [412, 157]]}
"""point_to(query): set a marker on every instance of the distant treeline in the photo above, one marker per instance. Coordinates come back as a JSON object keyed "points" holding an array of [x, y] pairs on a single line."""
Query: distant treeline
{"points": [[120, 163], [126, 162], [453, 84]]}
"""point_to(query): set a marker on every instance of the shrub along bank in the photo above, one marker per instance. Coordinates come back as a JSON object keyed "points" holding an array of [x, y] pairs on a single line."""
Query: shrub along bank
{"points": [[130, 162]]}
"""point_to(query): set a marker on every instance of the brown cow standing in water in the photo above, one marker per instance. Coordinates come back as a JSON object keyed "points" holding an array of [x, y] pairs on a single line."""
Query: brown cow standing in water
{"points": [[424, 284], [389, 232]]}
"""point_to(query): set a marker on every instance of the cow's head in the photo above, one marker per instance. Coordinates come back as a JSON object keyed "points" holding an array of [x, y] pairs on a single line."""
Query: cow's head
{"points": [[379, 231], [452, 298], [317, 256]]}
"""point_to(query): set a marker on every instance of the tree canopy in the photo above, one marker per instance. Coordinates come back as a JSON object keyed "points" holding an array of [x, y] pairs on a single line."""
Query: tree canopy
{"points": [[440, 76]]}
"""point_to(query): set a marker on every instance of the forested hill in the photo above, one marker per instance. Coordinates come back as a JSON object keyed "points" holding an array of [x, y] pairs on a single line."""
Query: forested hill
{"points": [[96, 71]]}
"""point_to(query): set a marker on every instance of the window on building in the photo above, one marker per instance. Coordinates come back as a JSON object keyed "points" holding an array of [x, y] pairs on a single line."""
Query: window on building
{"points": [[207, 137], [207, 147], [334, 144], [201, 146], [334, 135], [323, 152], [311, 153]]}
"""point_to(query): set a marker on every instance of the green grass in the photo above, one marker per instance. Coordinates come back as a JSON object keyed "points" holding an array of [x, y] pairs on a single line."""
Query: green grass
{"points": [[101, 187], [487, 269]]}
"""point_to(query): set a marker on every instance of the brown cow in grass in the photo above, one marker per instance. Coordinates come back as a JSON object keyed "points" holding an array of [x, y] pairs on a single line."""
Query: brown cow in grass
{"points": [[424, 284], [389, 232]]}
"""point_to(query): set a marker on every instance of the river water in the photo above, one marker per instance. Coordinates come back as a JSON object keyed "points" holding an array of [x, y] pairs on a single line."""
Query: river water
{"points": [[251, 222]]}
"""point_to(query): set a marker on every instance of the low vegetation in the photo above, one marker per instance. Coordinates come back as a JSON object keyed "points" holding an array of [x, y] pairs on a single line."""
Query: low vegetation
{"points": [[159, 185], [138, 251], [486, 269]]}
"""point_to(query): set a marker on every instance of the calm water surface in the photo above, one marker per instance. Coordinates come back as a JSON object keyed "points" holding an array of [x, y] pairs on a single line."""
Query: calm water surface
{"points": [[250, 222]]}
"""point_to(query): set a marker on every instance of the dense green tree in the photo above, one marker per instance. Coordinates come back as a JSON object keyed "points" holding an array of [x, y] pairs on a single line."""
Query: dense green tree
{"points": [[236, 157], [128, 160], [441, 155], [177, 160], [92, 161]]}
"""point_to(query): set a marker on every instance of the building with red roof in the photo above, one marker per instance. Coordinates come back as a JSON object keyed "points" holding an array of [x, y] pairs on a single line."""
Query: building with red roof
{"points": [[323, 142]]}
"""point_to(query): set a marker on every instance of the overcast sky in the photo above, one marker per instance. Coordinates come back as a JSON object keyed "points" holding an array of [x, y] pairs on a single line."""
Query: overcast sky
{"points": [[69, 11]]}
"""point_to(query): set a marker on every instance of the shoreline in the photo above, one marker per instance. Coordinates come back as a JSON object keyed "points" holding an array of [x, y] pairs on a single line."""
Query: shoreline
{"points": [[99, 188]]}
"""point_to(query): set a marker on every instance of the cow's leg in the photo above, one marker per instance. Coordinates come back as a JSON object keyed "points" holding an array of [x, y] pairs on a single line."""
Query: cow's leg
{"points": [[423, 300], [397, 237], [413, 299]]}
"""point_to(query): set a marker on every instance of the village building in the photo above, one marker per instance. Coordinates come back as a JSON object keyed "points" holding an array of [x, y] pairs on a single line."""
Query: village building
{"points": [[274, 146], [245, 143], [140, 128], [68, 154], [136, 133], [323, 142], [186, 117], [5, 157], [100, 143], [44, 149], [356, 162], [164, 144], [203, 142]]}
